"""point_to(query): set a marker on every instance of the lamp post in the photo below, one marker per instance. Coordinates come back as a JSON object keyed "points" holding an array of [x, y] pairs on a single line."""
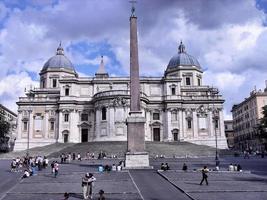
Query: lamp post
{"points": [[214, 91], [30, 95], [216, 141], [28, 136]]}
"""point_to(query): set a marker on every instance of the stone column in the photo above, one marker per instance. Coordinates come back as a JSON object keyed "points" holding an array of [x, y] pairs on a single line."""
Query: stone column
{"points": [[136, 157], [57, 125], [97, 123], [60, 126], [195, 125], [135, 123], [211, 125], [74, 130], [134, 66], [111, 122], [30, 128], [46, 125], [19, 128], [169, 125], [181, 127]]}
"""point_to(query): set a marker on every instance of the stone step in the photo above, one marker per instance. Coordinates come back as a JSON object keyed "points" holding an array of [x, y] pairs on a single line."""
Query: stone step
{"points": [[119, 148]]}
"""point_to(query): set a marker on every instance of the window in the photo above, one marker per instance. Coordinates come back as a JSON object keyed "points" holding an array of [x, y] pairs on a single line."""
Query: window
{"points": [[202, 123], [66, 117], [84, 117], [38, 122], [216, 123], [174, 116], [189, 124], [198, 81], [187, 81], [155, 116], [173, 90], [225, 127], [54, 83], [43, 83], [104, 113], [25, 126], [52, 126], [67, 92]]}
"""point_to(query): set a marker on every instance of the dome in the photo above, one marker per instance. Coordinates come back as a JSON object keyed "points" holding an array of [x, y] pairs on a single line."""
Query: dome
{"points": [[59, 61], [183, 59]]}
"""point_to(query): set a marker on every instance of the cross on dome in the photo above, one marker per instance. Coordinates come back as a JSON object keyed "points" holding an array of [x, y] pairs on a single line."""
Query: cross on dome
{"points": [[60, 50]]}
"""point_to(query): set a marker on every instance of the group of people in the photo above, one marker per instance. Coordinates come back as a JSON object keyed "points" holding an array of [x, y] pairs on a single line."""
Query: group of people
{"points": [[114, 167], [16, 165], [235, 167], [87, 185], [30, 164], [67, 157], [164, 166], [248, 152]]}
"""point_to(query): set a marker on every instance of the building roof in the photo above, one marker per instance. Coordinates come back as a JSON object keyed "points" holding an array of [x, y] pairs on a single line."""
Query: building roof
{"points": [[7, 110], [59, 61], [183, 59], [253, 94]]}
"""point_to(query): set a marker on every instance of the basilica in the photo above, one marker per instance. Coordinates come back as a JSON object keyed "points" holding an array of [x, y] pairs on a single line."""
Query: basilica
{"points": [[66, 108]]}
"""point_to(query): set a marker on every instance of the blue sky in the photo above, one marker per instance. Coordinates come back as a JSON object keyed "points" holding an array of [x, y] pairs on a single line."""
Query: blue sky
{"points": [[227, 37]]}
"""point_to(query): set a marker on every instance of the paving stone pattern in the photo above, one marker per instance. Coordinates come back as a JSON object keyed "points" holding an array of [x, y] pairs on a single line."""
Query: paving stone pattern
{"points": [[117, 185], [222, 185]]}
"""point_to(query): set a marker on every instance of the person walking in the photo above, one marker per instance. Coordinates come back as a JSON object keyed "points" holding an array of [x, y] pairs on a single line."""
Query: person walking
{"points": [[56, 168], [53, 167], [87, 185], [204, 171], [79, 157]]}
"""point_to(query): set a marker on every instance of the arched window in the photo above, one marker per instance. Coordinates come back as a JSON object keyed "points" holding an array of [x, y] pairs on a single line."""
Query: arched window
{"points": [[104, 113]]}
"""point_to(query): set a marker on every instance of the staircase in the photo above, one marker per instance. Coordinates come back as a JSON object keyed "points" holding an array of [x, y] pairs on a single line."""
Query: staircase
{"points": [[119, 148], [42, 151]]}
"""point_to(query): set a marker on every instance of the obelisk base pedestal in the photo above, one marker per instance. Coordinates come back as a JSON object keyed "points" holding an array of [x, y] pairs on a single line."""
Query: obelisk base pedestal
{"points": [[137, 160], [136, 157]]}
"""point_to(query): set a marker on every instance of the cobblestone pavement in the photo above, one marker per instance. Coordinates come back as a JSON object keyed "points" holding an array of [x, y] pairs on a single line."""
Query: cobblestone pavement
{"points": [[137, 185], [117, 185], [223, 185]]}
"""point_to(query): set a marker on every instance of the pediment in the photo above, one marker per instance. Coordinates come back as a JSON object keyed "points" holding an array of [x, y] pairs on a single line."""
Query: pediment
{"points": [[85, 124]]}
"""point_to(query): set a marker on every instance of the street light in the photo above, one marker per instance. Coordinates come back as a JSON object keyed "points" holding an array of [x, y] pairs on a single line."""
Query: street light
{"points": [[214, 91], [216, 141], [30, 95]]}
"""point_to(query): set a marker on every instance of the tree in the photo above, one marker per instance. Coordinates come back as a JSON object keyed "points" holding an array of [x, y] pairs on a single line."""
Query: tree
{"points": [[4, 129]]}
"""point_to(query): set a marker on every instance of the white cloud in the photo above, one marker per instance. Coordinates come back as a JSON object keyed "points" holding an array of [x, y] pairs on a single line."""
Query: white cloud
{"points": [[3, 11], [226, 81], [13, 86], [227, 38]]}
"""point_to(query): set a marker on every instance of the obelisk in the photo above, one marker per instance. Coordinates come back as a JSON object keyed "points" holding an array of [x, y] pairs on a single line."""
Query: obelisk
{"points": [[136, 157]]}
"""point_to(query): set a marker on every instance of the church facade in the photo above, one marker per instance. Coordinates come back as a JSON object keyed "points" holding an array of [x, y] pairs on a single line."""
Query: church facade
{"points": [[68, 108]]}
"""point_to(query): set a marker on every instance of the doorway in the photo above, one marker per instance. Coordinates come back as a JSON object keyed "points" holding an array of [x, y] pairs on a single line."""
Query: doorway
{"points": [[156, 134], [175, 135], [66, 138], [84, 135]]}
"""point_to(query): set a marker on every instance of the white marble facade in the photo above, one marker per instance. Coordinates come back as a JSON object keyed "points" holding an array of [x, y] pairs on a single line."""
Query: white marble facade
{"points": [[69, 108]]}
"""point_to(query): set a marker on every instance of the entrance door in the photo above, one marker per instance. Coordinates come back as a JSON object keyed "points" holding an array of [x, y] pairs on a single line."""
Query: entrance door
{"points": [[156, 134], [175, 136], [84, 135], [66, 138]]}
